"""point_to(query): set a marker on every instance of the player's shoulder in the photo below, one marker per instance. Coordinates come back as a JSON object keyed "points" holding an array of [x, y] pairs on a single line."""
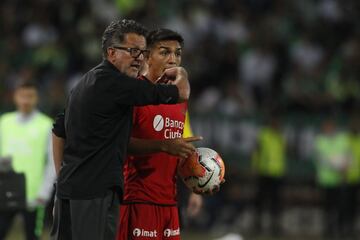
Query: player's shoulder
{"points": [[44, 118], [7, 116], [183, 107]]}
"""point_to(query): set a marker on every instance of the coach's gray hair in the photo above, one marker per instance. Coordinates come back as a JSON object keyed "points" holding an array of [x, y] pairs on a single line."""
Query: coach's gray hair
{"points": [[116, 31]]}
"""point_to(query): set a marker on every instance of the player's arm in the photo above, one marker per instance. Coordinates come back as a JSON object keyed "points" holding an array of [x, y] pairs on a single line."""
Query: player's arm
{"points": [[58, 141], [180, 147], [44, 193], [195, 204]]}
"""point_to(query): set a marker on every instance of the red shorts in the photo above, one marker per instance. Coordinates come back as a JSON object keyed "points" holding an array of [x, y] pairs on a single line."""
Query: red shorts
{"points": [[145, 221]]}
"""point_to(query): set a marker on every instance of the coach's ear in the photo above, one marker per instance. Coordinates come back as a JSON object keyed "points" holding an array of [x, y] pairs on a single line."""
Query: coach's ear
{"points": [[111, 54]]}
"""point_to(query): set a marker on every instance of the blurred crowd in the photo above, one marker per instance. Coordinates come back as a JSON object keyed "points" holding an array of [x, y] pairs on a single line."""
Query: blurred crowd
{"points": [[245, 58]]}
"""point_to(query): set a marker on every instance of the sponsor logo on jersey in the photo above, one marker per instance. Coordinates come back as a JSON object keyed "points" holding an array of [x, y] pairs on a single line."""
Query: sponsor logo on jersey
{"points": [[171, 232], [139, 232], [173, 128], [158, 123]]}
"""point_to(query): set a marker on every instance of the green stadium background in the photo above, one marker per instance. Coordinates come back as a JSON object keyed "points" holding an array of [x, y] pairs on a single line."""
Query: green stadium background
{"points": [[248, 61]]}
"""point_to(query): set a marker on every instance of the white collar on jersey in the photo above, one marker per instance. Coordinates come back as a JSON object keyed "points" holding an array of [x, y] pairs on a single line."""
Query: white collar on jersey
{"points": [[23, 118]]}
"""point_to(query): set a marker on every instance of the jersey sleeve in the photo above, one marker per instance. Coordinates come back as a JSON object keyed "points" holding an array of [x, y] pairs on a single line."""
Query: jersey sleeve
{"points": [[187, 127], [130, 91]]}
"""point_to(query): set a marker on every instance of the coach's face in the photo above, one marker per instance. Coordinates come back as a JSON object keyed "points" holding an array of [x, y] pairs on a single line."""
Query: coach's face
{"points": [[128, 56]]}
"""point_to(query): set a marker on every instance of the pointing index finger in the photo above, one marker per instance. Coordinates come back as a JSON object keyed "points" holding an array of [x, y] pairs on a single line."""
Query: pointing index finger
{"points": [[193, 139]]}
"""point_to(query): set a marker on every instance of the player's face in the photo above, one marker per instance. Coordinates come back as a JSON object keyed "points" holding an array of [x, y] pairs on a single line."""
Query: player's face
{"points": [[123, 59], [25, 99], [163, 55]]}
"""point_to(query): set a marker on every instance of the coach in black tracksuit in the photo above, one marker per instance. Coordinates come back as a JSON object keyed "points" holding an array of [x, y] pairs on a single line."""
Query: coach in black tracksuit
{"points": [[98, 119]]}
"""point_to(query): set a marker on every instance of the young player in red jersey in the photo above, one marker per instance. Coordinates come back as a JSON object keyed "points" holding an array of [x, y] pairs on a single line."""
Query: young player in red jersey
{"points": [[149, 209]]}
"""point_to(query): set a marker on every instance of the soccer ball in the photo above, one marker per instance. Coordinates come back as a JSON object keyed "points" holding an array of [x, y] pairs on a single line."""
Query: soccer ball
{"points": [[202, 171]]}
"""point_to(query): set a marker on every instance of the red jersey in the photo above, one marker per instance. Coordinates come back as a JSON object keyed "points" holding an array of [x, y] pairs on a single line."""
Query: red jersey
{"points": [[151, 178]]}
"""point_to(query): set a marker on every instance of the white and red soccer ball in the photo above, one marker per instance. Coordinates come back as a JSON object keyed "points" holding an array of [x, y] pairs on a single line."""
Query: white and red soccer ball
{"points": [[203, 171]]}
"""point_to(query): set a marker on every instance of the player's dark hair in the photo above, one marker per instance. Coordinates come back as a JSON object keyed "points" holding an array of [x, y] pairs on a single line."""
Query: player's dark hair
{"points": [[163, 34], [25, 84], [116, 31]]}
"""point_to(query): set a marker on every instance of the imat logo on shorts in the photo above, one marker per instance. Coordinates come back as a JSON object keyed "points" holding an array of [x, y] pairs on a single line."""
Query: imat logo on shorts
{"points": [[171, 232], [138, 232]]}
